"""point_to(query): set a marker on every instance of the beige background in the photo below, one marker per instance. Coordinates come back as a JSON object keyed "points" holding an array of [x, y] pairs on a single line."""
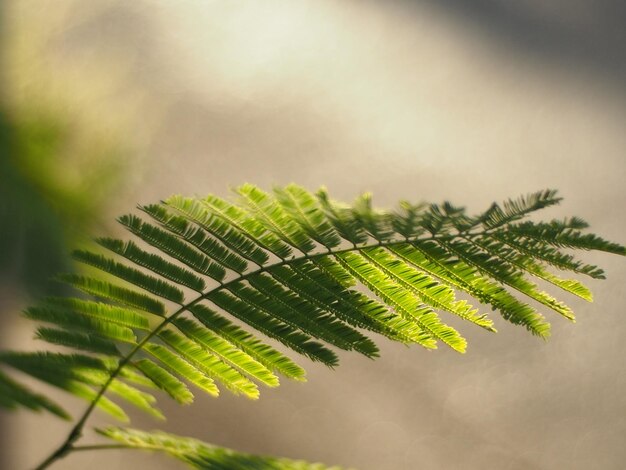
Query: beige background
{"points": [[416, 100]]}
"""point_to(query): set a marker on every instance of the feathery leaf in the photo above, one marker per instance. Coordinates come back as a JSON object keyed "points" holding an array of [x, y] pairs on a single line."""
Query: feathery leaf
{"points": [[153, 262], [107, 291], [197, 237], [265, 354], [173, 246], [219, 346], [13, 395], [209, 364], [165, 381], [134, 276], [325, 274], [203, 456]]}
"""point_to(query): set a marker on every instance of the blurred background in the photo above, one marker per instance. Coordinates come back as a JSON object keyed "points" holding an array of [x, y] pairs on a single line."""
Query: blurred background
{"points": [[105, 104]]}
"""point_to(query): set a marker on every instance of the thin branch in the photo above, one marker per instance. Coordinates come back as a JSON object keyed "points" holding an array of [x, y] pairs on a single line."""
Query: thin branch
{"points": [[103, 447]]}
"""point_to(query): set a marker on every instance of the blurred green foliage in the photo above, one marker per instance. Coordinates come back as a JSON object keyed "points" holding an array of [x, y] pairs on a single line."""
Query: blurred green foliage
{"points": [[48, 198]]}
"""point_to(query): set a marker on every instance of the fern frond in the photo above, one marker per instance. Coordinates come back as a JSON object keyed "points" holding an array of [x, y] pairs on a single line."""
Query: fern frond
{"points": [[248, 226], [129, 374], [565, 235], [488, 258], [306, 282], [218, 226], [407, 221], [209, 364], [14, 395], [248, 343], [299, 268], [412, 256], [377, 224], [226, 350], [524, 261], [64, 372], [341, 217], [197, 237], [76, 340], [251, 307], [183, 368], [173, 246], [91, 325], [121, 295], [334, 271], [391, 293], [131, 275], [200, 455], [304, 209], [141, 400], [515, 209], [548, 254], [433, 258], [270, 214], [105, 312], [510, 307], [154, 263], [425, 287], [165, 381], [309, 318]]}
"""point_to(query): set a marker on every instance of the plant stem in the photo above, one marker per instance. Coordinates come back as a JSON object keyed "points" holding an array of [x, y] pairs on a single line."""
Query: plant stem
{"points": [[56, 455], [102, 447]]}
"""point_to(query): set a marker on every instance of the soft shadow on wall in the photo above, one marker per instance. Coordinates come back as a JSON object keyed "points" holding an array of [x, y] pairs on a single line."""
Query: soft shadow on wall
{"points": [[579, 33]]}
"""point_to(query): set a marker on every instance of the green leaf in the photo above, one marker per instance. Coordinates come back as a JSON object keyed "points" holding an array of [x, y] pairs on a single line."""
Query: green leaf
{"points": [[391, 284], [14, 395], [511, 308], [173, 246], [252, 228], [182, 368], [154, 263], [301, 269], [165, 381], [75, 340], [134, 276], [67, 372], [489, 259], [197, 237], [541, 251], [112, 292], [515, 209], [219, 226], [248, 343], [391, 293], [248, 306], [304, 209], [310, 319], [73, 321], [425, 287], [342, 219], [221, 347], [525, 262], [109, 313], [142, 400], [201, 455], [209, 364], [308, 282], [270, 214], [377, 224], [407, 221], [562, 234]]}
